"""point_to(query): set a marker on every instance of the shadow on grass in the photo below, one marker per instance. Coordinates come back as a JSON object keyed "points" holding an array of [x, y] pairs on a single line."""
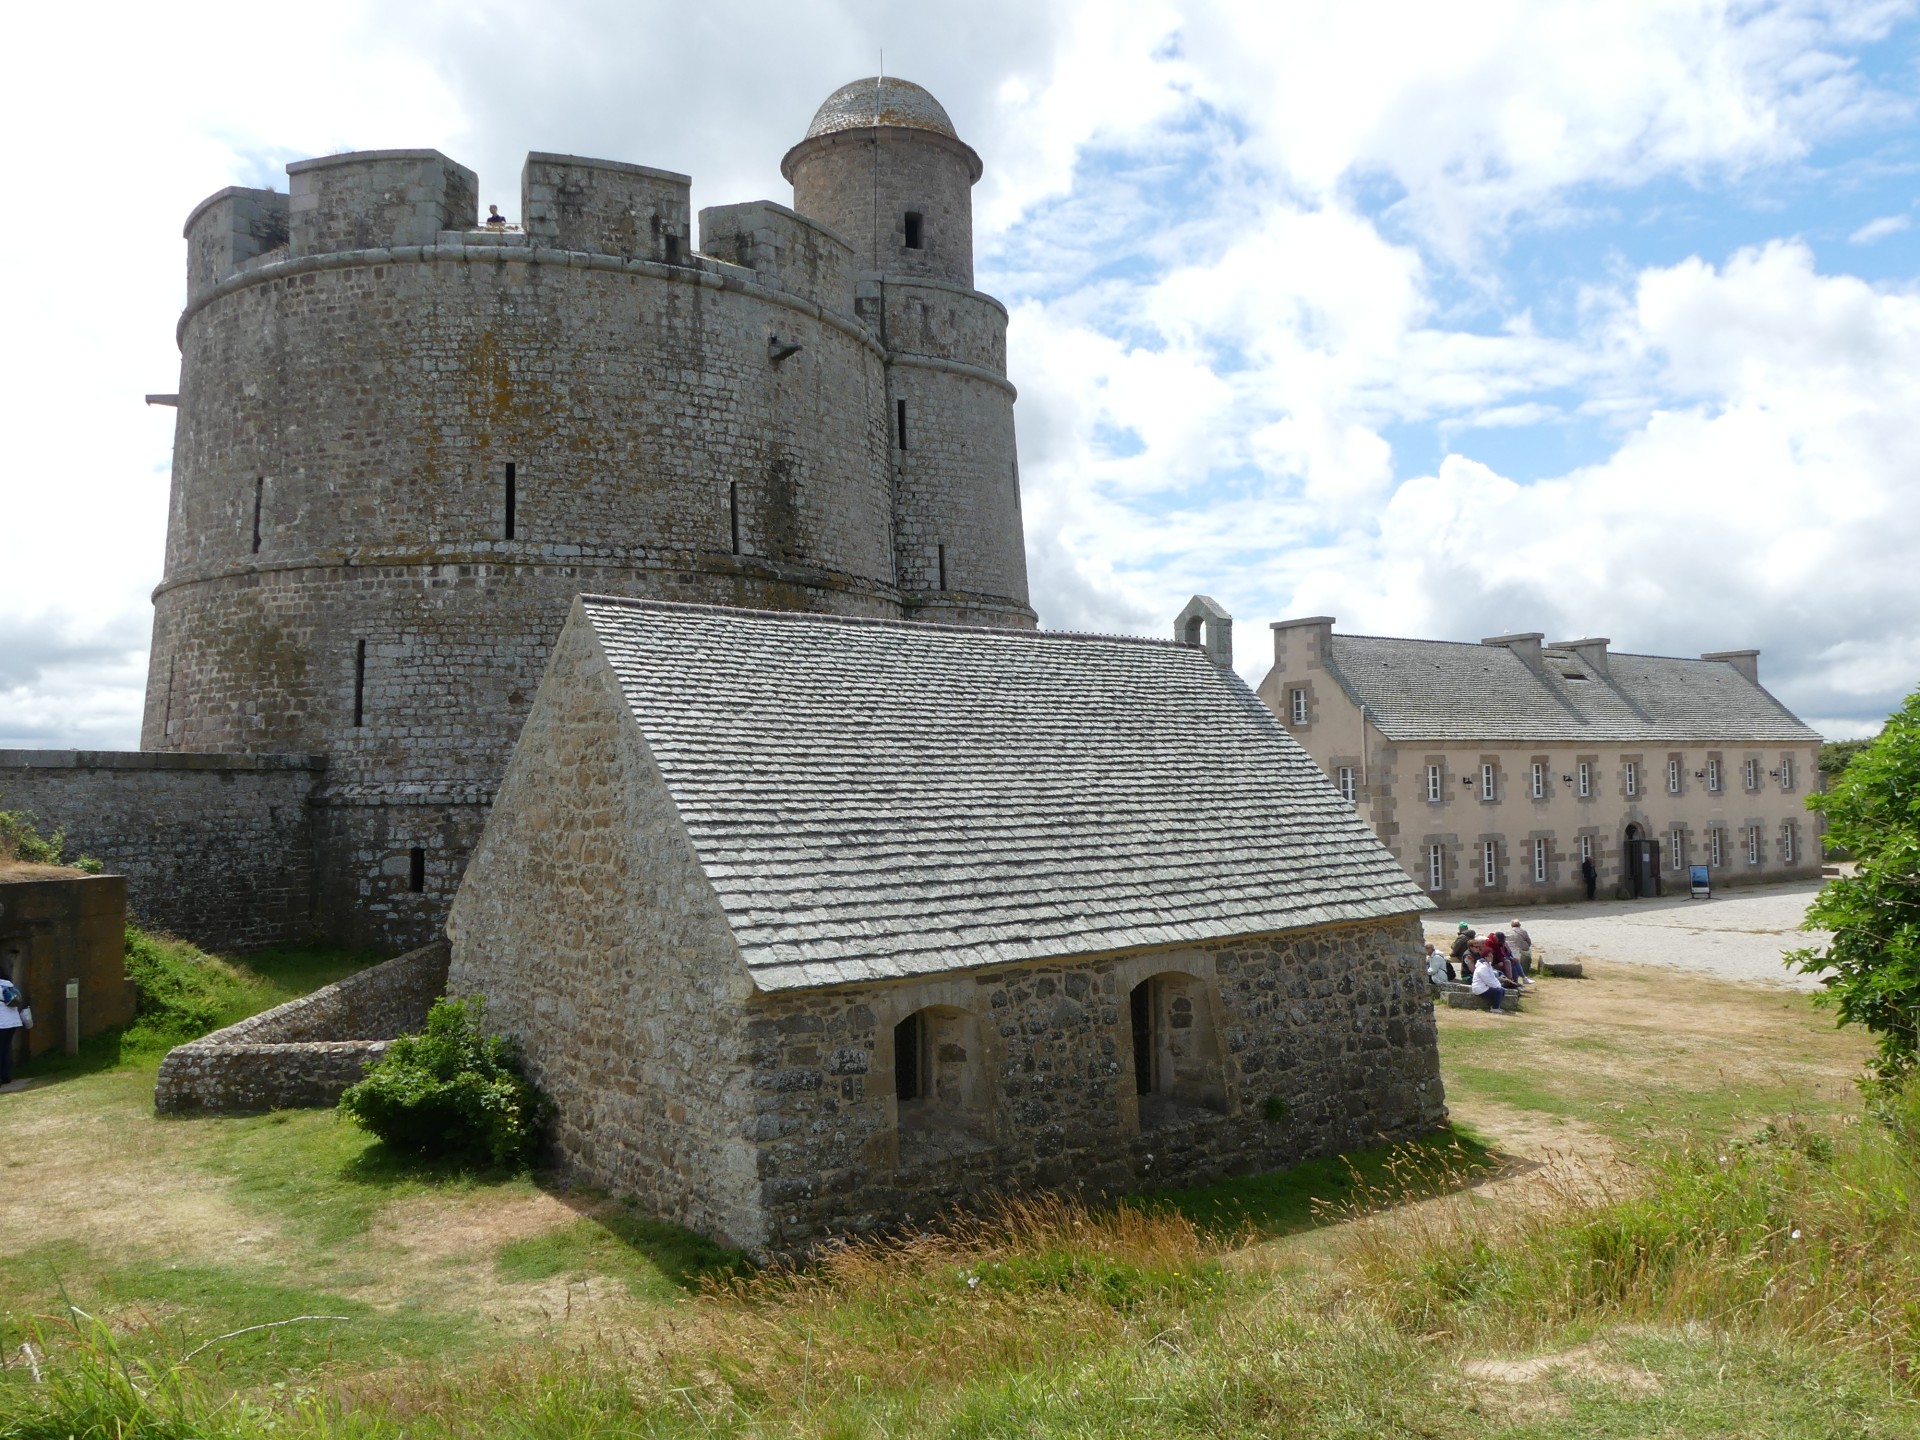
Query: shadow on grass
{"points": [[1317, 1192], [654, 1259]]}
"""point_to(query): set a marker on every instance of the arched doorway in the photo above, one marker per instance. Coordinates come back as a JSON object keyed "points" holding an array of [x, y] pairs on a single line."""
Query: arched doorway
{"points": [[1176, 1058]]}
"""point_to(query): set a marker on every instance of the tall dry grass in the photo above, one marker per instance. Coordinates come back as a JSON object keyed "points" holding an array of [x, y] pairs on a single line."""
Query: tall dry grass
{"points": [[1808, 1232]]}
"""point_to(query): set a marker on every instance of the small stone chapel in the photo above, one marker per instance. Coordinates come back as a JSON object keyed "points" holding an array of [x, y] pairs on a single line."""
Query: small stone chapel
{"points": [[812, 924]]}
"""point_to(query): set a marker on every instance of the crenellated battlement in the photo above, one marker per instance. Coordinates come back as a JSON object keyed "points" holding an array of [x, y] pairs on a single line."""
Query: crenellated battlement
{"points": [[605, 207]]}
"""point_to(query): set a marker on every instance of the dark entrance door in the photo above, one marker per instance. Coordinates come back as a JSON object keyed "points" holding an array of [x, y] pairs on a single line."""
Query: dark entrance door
{"points": [[1643, 864]]}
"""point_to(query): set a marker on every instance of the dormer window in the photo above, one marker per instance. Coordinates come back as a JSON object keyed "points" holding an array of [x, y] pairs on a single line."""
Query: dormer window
{"points": [[913, 229]]}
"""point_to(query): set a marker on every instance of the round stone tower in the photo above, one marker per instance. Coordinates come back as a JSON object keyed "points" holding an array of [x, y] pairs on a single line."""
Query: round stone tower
{"points": [[406, 441], [882, 166]]}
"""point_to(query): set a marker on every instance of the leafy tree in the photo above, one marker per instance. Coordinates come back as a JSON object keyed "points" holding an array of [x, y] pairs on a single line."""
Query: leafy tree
{"points": [[452, 1092], [1873, 811], [1837, 755]]}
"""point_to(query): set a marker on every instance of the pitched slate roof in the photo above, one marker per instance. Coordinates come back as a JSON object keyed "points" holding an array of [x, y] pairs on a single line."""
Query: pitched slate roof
{"points": [[1446, 690], [877, 799]]}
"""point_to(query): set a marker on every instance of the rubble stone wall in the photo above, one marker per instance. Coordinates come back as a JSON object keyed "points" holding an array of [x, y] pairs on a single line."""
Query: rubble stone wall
{"points": [[303, 1054]]}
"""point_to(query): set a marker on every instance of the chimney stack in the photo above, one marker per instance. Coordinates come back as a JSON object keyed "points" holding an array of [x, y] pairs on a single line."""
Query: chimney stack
{"points": [[1592, 651], [1747, 662]]}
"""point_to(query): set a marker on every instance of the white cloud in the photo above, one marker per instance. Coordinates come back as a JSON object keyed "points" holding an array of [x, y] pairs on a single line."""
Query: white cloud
{"points": [[1879, 229]]}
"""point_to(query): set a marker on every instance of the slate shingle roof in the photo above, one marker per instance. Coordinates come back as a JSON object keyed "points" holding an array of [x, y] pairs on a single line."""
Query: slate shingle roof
{"points": [[1446, 690], [877, 799]]}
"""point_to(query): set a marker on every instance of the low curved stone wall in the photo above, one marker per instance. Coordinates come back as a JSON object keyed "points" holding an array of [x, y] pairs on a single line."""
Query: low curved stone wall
{"points": [[302, 1054]]}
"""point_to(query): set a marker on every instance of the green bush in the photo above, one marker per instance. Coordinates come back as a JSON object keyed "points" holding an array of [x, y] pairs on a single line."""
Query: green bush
{"points": [[453, 1092], [20, 839]]}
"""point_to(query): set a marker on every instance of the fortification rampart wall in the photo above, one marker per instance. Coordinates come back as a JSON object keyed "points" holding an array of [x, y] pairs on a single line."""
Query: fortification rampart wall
{"points": [[215, 848]]}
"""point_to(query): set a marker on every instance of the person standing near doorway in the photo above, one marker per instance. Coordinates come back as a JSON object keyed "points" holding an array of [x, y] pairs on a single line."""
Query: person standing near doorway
{"points": [[1591, 875], [12, 1002]]}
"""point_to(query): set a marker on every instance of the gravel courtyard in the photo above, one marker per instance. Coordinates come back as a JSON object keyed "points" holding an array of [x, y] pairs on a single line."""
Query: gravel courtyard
{"points": [[1738, 935]]}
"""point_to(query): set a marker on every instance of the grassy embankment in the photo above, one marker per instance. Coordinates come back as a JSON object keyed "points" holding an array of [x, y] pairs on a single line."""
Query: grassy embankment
{"points": [[1714, 1246]]}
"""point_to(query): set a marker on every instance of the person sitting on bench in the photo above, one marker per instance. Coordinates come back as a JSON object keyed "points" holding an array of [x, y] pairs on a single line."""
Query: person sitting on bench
{"points": [[1438, 970], [1486, 984]]}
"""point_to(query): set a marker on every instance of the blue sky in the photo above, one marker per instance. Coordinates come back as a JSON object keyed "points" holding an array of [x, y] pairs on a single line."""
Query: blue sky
{"points": [[1447, 321]]}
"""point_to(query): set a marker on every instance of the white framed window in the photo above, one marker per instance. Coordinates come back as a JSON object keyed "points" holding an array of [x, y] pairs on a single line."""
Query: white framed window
{"points": [[1753, 774], [1786, 843], [1490, 862], [1714, 847], [1436, 867], [1539, 862], [1585, 774], [1678, 843], [1346, 783], [1786, 772], [1753, 844], [1433, 783], [1673, 777], [1539, 781], [1486, 782], [1632, 773], [1586, 848], [1299, 707], [1713, 775]]}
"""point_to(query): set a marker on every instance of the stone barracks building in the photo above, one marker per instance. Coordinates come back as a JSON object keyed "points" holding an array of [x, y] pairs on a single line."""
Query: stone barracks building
{"points": [[407, 440], [1492, 770], [812, 923]]}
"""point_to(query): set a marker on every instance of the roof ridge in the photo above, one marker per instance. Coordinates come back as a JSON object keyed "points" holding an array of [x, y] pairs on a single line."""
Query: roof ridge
{"points": [[912, 627]]}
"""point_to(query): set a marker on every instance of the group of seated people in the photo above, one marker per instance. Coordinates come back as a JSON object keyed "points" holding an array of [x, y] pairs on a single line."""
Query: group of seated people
{"points": [[1489, 965]]}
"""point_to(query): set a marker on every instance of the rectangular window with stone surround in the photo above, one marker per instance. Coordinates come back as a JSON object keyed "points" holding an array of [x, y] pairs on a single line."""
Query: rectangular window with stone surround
{"points": [[1753, 774], [1786, 843], [1713, 776], [1585, 774], [1539, 862], [1436, 867], [1677, 849], [1786, 772], [1346, 783], [1586, 848], [1631, 773], [1716, 847], [1433, 784], [1753, 845], [1487, 782], [1539, 781], [1299, 707], [1489, 863], [1673, 777]]}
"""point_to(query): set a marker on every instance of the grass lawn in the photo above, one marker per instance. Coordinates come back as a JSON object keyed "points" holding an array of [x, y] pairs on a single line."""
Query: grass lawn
{"points": [[463, 1303]]}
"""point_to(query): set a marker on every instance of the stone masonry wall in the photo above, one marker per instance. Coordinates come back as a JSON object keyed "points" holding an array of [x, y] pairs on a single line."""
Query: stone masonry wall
{"points": [[602, 951], [303, 1054], [1336, 1024], [216, 848]]}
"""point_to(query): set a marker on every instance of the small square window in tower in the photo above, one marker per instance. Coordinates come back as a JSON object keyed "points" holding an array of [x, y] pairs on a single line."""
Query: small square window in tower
{"points": [[913, 229]]}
